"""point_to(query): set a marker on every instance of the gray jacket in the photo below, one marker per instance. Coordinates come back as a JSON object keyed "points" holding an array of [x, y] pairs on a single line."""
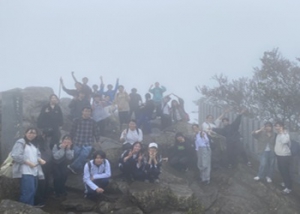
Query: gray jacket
{"points": [[17, 154]]}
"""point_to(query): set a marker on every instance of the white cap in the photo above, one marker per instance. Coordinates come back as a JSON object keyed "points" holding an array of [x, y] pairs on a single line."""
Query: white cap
{"points": [[153, 145]]}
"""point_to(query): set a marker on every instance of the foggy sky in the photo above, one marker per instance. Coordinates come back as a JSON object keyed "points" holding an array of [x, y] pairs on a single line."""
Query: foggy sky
{"points": [[179, 43]]}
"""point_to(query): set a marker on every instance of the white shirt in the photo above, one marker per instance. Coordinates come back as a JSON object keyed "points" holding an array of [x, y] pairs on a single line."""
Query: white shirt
{"points": [[132, 136], [31, 155], [201, 141], [282, 144]]}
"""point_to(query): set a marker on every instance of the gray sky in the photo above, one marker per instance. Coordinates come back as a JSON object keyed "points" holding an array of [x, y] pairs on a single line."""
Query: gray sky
{"points": [[179, 43]]}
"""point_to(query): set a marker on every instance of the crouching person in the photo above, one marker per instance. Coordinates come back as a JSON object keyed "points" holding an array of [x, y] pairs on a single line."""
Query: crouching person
{"points": [[152, 164], [131, 163], [96, 175], [62, 154]]}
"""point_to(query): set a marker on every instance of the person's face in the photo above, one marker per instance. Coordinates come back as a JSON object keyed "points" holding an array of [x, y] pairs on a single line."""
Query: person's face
{"points": [[225, 122], [85, 80], [86, 113], [210, 119], [278, 128], [109, 87], [95, 87], [67, 141], [121, 89], [53, 100], [174, 103], [180, 139], [136, 148], [81, 96], [157, 84], [99, 160], [268, 128], [132, 125], [152, 151], [195, 129], [78, 86], [31, 134]]}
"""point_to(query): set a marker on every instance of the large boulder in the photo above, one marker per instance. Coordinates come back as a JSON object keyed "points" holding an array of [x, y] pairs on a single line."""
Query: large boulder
{"points": [[9, 188], [13, 207]]}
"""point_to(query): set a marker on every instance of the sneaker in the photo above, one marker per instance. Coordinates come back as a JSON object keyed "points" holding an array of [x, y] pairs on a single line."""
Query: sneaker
{"points": [[286, 191], [269, 180], [72, 170], [256, 178]]}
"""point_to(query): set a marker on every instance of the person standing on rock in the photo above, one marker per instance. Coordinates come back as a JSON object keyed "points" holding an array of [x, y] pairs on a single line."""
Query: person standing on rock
{"points": [[131, 163], [181, 153], [146, 112], [50, 120], [203, 150], [77, 104], [85, 88], [122, 101], [284, 155], [99, 114], [111, 92], [178, 112], [62, 154], [234, 146], [84, 132], [166, 119], [265, 147], [96, 175], [157, 92], [27, 165], [134, 104], [131, 135]]}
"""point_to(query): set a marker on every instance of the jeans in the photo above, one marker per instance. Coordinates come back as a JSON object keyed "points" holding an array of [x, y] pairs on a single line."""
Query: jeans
{"points": [[266, 166], [60, 174], [81, 154], [284, 163], [28, 189], [144, 122], [102, 183], [204, 162]]}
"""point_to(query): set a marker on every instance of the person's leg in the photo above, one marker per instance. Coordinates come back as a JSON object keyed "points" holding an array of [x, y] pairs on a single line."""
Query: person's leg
{"points": [[206, 164], [102, 183], [286, 163], [56, 179], [79, 162], [263, 164], [200, 163], [271, 164], [28, 189]]}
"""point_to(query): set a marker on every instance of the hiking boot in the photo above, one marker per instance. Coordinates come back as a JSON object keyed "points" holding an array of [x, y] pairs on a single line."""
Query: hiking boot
{"points": [[269, 180], [72, 170], [256, 178]]}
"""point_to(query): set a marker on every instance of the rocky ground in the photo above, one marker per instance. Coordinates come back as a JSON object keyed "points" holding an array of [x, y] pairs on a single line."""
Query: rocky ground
{"points": [[231, 191]]}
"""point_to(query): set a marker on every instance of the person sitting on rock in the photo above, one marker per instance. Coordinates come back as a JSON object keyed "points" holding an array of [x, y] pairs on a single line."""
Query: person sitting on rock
{"points": [[265, 147], [131, 163], [177, 110], [131, 135], [84, 132], [62, 154], [96, 175], [152, 163], [181, 153]]}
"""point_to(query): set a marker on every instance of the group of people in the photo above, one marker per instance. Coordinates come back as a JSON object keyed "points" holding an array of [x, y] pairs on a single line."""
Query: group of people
{"points": [[128, 106]]}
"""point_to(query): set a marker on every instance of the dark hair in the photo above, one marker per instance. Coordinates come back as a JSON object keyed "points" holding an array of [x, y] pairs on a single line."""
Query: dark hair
{"points": [[132, 120], [65, 137], [178, 134], [209, 115], [225, 119], [279, 123], [86, 107], [101, 153], [27, 130], [148, 95], [134, 90], [53, 95], [121, 86], [268, 123], [137, 142], [195, 124]]}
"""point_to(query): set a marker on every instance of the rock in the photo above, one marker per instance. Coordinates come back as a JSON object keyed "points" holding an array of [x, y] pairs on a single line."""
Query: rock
{"points": [[9, 188], [105, 207], [182, 197], [34, 98], [78, 205], [129, 210], [13, 207], [64, 105]]}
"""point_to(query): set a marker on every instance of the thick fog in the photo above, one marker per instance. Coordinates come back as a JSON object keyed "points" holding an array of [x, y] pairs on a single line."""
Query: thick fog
{"points": [[180, 44]]}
